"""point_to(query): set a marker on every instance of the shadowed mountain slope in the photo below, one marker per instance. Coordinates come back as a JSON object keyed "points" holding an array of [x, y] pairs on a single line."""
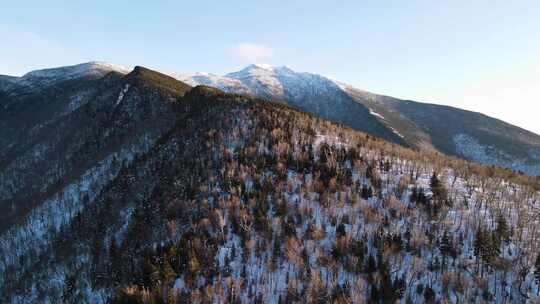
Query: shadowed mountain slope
{"points": [[452, 131]]}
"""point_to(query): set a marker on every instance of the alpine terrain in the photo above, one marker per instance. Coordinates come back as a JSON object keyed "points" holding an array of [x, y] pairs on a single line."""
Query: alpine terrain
{"points": [[261, 186], [426, 126]]}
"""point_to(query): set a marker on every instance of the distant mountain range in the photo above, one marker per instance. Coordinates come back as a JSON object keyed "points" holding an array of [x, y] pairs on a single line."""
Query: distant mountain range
{"points": [[122, 186], [453, 131]]}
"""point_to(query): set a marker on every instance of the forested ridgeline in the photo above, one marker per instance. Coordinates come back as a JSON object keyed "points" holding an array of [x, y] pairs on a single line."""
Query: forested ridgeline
{"points": [[245, 201]]}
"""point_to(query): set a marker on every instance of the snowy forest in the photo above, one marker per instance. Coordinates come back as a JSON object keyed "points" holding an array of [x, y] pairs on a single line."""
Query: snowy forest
{"points": [[247, 201]]}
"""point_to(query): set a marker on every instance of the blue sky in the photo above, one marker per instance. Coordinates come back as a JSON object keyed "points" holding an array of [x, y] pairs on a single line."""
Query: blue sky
{"points": [[478, 55]]}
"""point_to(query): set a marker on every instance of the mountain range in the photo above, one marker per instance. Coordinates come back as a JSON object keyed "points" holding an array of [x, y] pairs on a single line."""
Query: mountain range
{"points": [[452, 131], [261, 186]]}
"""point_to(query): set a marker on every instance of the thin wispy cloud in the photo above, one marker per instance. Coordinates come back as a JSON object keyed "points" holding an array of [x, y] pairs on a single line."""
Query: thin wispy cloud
{"points": [[251, 52]]}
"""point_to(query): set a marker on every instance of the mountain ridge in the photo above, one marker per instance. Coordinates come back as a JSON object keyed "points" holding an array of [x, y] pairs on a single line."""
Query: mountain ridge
{"points": [[208, 196], [467, 134], [401, 117]]}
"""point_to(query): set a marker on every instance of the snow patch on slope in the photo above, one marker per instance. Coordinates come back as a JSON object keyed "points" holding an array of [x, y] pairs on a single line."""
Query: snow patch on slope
{"points": [[396, 132], [122, 94], [470, 148], [76, 101], [376, 114]]}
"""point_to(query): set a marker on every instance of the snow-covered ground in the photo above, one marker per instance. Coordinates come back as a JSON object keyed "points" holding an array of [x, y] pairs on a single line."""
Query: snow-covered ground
{"points": [[470, 148]]}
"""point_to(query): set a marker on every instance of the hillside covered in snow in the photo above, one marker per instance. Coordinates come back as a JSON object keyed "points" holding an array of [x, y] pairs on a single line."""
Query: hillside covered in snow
{"points": [[138, 188]]}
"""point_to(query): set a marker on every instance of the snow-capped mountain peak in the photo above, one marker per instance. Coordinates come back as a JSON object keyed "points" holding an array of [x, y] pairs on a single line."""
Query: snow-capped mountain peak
{"points": [[92, 69], [79, 69], [261, 79], [253, 70], [264, 66], [404, 122], [275, 82]]}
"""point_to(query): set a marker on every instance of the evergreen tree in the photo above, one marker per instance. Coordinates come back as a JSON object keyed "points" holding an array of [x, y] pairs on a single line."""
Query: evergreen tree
{"points": [[439, 192], [480, 244], [537, 271], [367, 192], [359, 252], [69, 289], [168, 273], [226, 272], [429, 295], [115, 262], [389, 291], [371, 265], [421, 198], [399, 288], [434, 181], [502, 231], [340, 230], [486, 246], [414, 195], [374, 294], [447, 248], [276, 252], [408, 236]]}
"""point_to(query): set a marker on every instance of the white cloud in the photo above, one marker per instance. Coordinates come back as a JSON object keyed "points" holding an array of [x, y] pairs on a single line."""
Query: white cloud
{"points": [[251, 52]]}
